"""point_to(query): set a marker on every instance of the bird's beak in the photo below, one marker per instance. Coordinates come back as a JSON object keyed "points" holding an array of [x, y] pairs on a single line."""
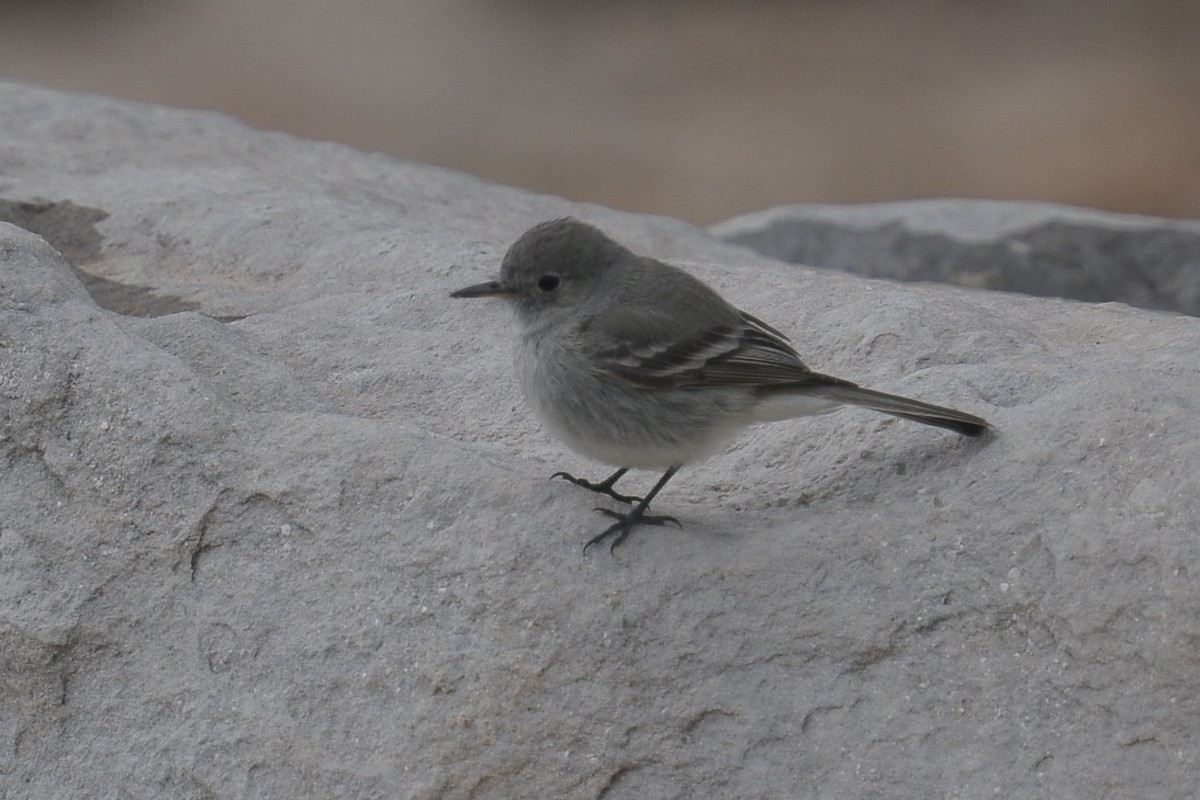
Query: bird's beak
{"points": [[489, 289]]}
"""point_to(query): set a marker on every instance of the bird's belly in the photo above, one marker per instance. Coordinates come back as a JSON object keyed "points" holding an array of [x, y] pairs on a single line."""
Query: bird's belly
{"points": [[620, 424]]}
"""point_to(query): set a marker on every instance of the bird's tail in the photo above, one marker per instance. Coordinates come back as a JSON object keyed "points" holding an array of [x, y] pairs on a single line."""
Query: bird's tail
{"points": [[966, 424]]}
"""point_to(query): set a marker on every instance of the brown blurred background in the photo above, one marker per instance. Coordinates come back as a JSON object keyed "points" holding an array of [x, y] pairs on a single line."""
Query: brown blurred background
{"points": [[700, 110]]}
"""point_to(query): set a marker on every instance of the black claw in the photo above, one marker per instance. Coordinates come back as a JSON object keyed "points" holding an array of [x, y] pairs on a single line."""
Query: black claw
{"points": [[605, 487], [621, 528], [607, 532], [644, 519], [625, 523]]}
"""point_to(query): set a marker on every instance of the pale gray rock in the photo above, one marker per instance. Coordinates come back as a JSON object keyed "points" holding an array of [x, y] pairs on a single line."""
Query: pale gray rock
{"points": [[1035, 248], [275, 522]]}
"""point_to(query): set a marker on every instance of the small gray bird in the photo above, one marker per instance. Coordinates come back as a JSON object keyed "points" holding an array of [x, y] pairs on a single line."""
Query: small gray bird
{"points": [[635, 363]]}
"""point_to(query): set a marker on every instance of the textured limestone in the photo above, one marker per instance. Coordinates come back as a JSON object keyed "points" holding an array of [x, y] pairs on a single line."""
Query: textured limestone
{"points": [[275, 522]]}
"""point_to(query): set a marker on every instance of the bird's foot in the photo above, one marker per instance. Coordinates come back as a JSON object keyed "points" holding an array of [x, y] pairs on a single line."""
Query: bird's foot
{"points": [[604, 487], [620, 529]]}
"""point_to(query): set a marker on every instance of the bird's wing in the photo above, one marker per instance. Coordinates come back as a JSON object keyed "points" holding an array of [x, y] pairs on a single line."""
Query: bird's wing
{"points": [[740, 350]]}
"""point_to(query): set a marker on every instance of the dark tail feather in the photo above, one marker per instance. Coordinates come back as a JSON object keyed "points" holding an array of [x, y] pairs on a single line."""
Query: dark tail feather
{"points": [[897, 406]]}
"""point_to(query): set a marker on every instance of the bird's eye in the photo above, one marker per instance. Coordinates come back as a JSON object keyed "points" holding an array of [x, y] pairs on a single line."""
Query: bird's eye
{"points": [[548, 283]]}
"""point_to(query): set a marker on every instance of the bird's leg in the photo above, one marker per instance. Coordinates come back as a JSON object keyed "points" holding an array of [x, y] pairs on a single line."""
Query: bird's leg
{"points": [[604, 487], [625, 522]]}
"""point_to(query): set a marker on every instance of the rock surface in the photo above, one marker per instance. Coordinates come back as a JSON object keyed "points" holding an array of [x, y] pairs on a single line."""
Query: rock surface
{"points": [[1036, 248], [274, 520]]}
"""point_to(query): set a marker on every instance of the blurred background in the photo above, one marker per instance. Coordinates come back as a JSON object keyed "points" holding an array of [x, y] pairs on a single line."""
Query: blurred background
{"points": [[700, 110]]}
